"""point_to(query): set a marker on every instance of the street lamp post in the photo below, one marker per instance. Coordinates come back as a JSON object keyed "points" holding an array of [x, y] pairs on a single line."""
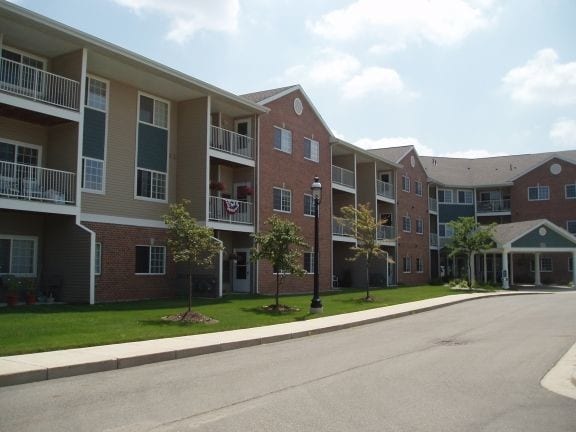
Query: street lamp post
{"points": [[316, 304]]}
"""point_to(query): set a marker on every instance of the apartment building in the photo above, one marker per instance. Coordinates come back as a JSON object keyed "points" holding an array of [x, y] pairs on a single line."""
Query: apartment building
{"points": [[95, 143]]}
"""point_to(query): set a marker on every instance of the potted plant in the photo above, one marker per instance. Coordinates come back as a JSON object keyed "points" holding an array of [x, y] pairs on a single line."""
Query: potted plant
{"points": [[216, 186], [13, 285], [30, 289], [244, 191]]}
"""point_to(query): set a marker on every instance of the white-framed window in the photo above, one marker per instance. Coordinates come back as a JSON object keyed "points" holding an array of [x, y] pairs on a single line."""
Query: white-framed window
{"points": [[419, 265], [465, 197], [22, 77], [150, 260], [282, 139], [18, 255], [308, 205], [405, 183], [418, 188], [545, 264], [96, 93], [445, 230], [151, 184], [98, 258], [153, 111], [93, 174], [311, 149], [406, 223], [445, 196], [21, 153], [571, 226], [570, 191], [406, 264], [419, 226], [282, 200], [538, 193], [309, 262]]}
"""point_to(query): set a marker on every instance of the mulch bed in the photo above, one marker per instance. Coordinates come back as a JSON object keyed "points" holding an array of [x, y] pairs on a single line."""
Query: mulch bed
{"points": [[190, 317], [280, 308]]}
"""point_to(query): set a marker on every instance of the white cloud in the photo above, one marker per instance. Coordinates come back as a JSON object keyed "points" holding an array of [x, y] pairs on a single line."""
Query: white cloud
{"points": [[543, 80], [373, 80], [396, 23], [472, 154], [563, 132], [190, 16], [368, 144], [330, 67]]}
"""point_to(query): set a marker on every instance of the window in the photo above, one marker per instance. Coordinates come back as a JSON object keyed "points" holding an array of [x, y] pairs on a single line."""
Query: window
{"points": [[283, 139], [405, 183], [419, 226], [570, 191], [538, 193], [407, 264], [309, 262], [151, 184], [150, 259], [24, 78], [570, 264], [445, 230], [94, 135], [20, 153], [282, 200], [571, 226], [545, 265], [18, 255], [93, 174], [309, 205], [96, 94], [445, 196], [406, 223], [98, 258], [418, 188], [311, 150], [465, 197], [419, 265], [154, 112]]}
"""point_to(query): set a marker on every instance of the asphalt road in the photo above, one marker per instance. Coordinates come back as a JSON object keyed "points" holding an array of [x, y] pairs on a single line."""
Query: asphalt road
{"points": [[474, 366]]}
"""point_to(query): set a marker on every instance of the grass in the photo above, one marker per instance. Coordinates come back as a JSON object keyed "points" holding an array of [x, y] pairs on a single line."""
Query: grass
{"points": [[37, 328]]}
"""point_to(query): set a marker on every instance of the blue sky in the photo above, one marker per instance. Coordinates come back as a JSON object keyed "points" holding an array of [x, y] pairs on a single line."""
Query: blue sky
{"points": [[453, 77]]}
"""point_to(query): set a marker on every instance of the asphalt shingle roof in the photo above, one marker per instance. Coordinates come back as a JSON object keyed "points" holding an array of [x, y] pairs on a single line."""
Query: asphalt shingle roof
{"points": [[394, 154], [265, 94]]}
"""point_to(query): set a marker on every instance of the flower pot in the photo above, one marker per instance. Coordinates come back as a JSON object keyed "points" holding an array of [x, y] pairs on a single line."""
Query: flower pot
{"points": [[11, 299], [30, 298]]}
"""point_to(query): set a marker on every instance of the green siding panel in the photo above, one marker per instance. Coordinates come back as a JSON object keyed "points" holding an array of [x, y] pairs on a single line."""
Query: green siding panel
{"points": [[450, 212], [94, 133], [552, 239], [152, 148]]}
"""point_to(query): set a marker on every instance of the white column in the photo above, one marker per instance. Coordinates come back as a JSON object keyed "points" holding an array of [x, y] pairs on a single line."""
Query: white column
{"points": [[574, 269], [485, 270], [472, 268], [511, 269], [494, 268], [505, 283], [537, 269]]}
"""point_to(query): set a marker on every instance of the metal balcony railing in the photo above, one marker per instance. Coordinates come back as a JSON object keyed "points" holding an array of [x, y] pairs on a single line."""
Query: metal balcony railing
{"points": [[433, 204], [39, 85], [385, 232], [34, 183], [343, 176], [443, 241], [340, 229], [433, 240], [231, 142], [384, 189], [493, 206], [230, 211]]}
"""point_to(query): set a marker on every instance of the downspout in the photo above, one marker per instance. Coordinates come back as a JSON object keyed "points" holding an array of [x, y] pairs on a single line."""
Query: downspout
{"points": [[256, 265], [220, 265]]}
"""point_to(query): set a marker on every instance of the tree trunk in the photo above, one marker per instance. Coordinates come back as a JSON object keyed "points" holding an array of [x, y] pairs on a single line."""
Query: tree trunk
{"points": [[190, 291], [367, 278], [469, 272], [277, 289]]}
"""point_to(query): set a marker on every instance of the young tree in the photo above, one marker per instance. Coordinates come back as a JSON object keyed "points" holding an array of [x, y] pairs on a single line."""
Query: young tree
{"points": [[469, 238], [363, 224], [189, 242], [282, 246]]}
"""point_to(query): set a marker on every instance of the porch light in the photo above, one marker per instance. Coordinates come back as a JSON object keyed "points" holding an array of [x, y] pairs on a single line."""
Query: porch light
{"points": [[316, 304]]}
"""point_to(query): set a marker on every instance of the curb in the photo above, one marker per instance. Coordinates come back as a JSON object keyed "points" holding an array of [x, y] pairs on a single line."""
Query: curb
{"points": [[27, 368]]}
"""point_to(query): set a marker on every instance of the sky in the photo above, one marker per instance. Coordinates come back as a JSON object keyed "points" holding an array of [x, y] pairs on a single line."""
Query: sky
{"points": [[456, 78]]}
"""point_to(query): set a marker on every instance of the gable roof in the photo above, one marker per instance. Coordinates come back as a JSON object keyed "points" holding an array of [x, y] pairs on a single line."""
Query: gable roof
{"points": [[492, 171], [395, 154], [506, 234]]}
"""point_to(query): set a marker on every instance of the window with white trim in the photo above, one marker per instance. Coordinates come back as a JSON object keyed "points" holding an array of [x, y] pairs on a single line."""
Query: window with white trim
{"points": [[25, 154], [282, 200], [18, 255], [419, 265], [570, 191], [98, 258], [445, 196], [93, 174], [311, 150], [308, 205], [538, 193], [309, 262], [445, 230], [153, 112], [406, 223], [96, 94], [419, 226], [406, 264], [282, 139], [405, 183], [465, 197], [19, 71], [570, 264], [150, 260], [571, 226], [94, 138], [418, 188], [545, 264]]}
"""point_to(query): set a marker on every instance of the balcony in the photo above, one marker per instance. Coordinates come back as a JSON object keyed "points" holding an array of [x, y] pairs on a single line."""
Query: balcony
{"points": [[385, 233], [32, 183], [493, 206], [384, 189], [433, 205], [230, 211], [443, 241], [343, 177], [231, 142], [433, 240], [39, 85], [340, 229]]}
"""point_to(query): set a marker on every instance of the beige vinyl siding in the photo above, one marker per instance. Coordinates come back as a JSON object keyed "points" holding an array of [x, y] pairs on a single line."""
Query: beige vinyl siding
{"points": [[24, 132], [63, 148], [68, 65], [192, 155], [366, 180], [344, 161], [21, 223]]}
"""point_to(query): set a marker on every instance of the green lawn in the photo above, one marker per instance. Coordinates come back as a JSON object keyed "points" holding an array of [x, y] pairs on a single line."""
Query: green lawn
{"points": [[28, 329]]}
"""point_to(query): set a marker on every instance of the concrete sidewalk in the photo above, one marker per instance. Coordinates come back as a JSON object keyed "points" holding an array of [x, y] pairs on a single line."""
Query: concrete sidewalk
{"points": [[27, 368]]}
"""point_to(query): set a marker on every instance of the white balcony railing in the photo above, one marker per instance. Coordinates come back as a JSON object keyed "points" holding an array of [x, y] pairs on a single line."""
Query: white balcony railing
{"points": [[340, 229], [433, 240], [385, 232], [385, 189], [230, 211], [39, 85], [433, 204], [443, 241], [231, 142], [343, 176], [34, 183], [493, 206]]}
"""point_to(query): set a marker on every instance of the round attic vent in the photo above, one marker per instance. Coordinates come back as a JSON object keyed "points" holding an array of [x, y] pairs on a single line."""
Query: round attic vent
{"points": [[555, 169], [542, 231], [298, 107]]}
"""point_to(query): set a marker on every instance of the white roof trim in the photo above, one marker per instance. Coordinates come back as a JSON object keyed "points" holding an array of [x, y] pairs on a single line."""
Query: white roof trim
{"points": [[559, 230], [364, 152], [539, 164]]}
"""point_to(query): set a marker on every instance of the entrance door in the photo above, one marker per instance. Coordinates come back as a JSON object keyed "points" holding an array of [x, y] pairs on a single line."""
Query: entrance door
{"points": [[241, 271]]}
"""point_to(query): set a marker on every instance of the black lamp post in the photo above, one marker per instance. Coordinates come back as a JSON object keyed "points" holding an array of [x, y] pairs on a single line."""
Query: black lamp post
{"points": [[316, 304]]}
